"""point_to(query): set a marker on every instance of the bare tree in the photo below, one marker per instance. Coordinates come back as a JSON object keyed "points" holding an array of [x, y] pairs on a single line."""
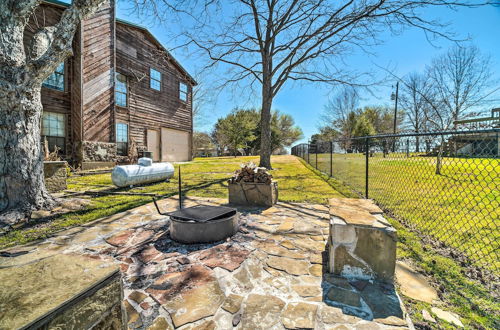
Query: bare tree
{"points": [[203, 97], [413, 95], [265, 44], [461, 80], [22, 71], [337, 110]]}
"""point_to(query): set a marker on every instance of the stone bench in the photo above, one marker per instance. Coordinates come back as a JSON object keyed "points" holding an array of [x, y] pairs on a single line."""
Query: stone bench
{"points": [[361, 244], [59, 292]]}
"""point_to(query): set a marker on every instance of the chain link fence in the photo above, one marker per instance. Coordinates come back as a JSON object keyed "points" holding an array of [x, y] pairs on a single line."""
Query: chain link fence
{"points": [[445, 185]]}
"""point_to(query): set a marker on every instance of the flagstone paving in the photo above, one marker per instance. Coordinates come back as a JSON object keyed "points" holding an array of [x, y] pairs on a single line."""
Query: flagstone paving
{"points": [[270, 275]]}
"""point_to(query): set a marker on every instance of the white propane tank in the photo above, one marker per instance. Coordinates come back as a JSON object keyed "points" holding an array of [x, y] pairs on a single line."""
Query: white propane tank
{"points": [[145, 172]]}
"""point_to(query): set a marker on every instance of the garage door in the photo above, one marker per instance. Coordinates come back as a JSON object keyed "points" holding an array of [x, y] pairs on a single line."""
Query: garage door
{"points": [[174, 145], [153, 139]]}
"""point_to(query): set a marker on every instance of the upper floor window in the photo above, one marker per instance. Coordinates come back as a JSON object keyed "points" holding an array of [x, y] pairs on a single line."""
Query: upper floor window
{"points": [[122, 139], [56, 79], [155, 79], [183, 91], [53, 130], [120, 90]]}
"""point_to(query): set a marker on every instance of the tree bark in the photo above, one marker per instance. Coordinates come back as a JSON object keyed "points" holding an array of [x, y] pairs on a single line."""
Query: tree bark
{"points": [[22, 187], [265, 122]]}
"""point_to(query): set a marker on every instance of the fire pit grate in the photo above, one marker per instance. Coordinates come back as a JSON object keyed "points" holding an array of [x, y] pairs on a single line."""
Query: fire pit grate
{"points": [[202, 213]]}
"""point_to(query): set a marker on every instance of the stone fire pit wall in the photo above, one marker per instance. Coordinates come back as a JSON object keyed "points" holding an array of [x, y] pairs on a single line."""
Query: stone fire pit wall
{"points": [[253, 194], [362, 244]]}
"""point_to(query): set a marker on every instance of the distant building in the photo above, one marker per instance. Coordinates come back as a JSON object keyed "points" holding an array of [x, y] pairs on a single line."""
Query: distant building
{"points": [[477, 144]]}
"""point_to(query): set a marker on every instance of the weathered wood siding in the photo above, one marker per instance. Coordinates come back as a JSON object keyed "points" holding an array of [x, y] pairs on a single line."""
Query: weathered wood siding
{"points": [[53, 100], [136, 53], [98, 75], [76, 111]]}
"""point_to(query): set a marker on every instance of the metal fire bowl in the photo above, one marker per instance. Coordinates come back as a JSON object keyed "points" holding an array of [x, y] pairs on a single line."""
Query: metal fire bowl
{"points": [[191, 232]]}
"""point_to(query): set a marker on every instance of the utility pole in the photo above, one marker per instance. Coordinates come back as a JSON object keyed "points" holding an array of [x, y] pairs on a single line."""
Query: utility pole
{"points": [[395, 97], [396, 107]]}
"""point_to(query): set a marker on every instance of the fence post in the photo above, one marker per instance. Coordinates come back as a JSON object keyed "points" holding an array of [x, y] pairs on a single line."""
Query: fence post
{"points": [[316, 155], [367, 158], [308, 154], [407, 148], [331, 158]]}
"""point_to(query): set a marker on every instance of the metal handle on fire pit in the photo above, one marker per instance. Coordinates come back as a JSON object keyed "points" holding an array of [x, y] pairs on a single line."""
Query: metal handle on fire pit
{"points": [[180, 196]]}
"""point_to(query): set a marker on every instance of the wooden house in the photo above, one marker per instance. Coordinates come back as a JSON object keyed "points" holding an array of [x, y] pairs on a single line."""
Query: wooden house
{"points": [[120, 94]]}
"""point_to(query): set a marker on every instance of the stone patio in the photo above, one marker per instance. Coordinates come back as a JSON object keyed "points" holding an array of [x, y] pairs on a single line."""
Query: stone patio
{"points": [[270, 275]]}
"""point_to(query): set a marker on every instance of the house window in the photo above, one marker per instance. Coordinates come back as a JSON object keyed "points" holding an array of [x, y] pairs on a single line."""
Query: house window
{"points": [[122, 139], [155, 79], [53, 125], [120, 90], [56, 79], [183, 91]]}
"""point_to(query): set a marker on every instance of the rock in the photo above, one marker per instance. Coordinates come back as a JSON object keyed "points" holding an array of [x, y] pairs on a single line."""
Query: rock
{"points": [[285, 226], [364, 204], [121, 238], [141, 236], [232, 303], [307, 290], [167, 286], [316, 270], [160, 324], [334, 315], [353, 216], [338, 281], [40, 214], [261, 312], [391, 320], [414, 285], [183, 260], [343, 296], [236, 319], [133, 317], [308, 244], [225, 257], [287, 244], [383, 305], [148, 254], [291, 266], [359, 285], [303, 227], [243, 279], [427, 316], [316, 258], [299, 316], [137, 296], [195, 304], [207, 325], [277, 250], [447, 316]]}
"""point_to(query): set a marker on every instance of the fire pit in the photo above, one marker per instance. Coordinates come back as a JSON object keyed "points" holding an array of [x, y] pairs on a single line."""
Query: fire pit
{"points": [[203, 224]]}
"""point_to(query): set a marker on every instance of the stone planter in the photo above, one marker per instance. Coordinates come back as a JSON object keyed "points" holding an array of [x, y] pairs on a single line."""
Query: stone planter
{"points": [[55, 175], [253, 194]]}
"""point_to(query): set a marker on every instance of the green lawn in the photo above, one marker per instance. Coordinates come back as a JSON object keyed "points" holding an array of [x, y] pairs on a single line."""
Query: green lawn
{"points": [[204, 177], [460, 207]]}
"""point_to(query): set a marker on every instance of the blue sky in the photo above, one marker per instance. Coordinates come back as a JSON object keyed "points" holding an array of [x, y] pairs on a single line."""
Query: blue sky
{"points": [[405, 53]]}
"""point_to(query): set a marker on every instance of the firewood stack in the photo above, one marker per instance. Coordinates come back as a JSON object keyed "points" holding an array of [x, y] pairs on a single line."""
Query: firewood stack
{"points": [[251, 173]]}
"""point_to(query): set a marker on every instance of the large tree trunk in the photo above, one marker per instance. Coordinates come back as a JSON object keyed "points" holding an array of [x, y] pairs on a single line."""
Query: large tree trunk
{"points": [[22, 187], [265, 124]]}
